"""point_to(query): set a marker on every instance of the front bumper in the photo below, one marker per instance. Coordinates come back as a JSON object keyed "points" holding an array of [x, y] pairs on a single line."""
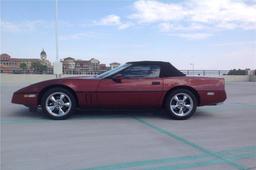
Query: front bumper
{"points": [[29, 100]]}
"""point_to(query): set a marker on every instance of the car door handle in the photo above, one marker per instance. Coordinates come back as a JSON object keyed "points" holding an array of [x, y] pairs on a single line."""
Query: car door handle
{"points": [[155, 83]]}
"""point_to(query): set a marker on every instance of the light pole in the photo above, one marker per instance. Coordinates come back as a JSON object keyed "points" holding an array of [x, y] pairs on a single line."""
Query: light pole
{"points": [[56, 31], [193, 68], [57, 66]]}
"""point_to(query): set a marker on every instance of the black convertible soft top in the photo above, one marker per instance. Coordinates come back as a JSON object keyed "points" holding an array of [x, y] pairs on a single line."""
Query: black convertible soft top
{"points": [[167, 70]]}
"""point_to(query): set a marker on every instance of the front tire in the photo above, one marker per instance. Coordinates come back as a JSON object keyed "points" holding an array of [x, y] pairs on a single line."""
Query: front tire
{"points": [[180, 104], [58, 103]]}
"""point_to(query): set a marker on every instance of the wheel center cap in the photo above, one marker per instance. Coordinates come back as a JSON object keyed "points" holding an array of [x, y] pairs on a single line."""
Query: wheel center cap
{"points": [[58, 103], [181, 103]]}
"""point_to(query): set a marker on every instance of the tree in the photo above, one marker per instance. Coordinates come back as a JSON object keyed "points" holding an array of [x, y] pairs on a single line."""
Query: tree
{"points": [[38, 67], [23, 66], [238, 72]]}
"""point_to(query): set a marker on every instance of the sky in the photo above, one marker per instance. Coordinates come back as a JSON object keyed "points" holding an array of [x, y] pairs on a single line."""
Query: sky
{"points": [[206, 34]]}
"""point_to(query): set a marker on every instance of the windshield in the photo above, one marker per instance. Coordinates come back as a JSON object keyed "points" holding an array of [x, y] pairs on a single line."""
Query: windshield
{"points": [[113, 71]]}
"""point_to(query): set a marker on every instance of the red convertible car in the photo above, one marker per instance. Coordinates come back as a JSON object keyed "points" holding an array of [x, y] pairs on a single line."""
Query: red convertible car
{"points": [[143, 84]]}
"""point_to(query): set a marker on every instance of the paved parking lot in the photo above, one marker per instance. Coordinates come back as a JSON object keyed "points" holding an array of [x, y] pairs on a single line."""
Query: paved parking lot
{"points": [[216, 137]]}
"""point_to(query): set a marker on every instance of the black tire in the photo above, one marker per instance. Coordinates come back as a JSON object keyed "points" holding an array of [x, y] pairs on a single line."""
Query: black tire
{"points": [[191, 100], [69, 97]]}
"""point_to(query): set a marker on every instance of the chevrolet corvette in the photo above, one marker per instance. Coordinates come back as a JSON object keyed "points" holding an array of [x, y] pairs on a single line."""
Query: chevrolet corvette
{"points": [[142, 84]]}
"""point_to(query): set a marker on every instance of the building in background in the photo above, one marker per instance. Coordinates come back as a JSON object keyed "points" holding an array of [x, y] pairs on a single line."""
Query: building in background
{"points": [[44, 59], [90, 67], [42, 65], [114, 65], [103, 68], [69, 65], [25, 65]]}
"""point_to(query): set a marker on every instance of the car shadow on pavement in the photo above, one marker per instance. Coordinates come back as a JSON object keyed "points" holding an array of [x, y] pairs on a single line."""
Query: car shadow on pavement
{"points": [[118, 113], [26, 113], [105, 114]]}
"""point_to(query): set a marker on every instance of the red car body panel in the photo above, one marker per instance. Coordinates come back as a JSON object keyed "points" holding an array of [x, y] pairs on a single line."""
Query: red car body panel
{"points": [[130, 93]]}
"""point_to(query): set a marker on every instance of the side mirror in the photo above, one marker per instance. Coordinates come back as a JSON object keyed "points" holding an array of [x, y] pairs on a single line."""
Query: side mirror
{"points": [[117, 78]]}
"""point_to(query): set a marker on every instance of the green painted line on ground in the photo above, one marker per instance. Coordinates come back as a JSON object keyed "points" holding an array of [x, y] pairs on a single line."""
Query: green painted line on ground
{"points": [[224, 107], [191, 144], [243, 156], [226, 153], [238, 150], [188, 165], [202, 163], [29, 121]]}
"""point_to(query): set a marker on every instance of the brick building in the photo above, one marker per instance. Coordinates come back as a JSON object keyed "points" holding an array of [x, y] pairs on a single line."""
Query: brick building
{"points": [[92, 66], [22, 65], [114, 65]]}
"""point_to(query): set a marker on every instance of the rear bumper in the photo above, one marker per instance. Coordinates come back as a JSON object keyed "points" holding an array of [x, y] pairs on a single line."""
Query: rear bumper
{"points": [[29, 100], [212, 97]]}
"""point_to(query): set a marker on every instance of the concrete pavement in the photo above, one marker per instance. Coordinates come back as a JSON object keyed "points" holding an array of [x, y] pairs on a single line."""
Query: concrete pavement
{"points": [[216, 137]]}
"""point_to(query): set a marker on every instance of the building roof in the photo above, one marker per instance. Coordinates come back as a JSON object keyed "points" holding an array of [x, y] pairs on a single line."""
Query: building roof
{"points": [[114, 63], [4, 57], [68, 58]]}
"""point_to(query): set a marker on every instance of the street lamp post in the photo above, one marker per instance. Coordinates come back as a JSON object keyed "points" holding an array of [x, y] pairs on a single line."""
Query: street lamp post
{"points": [[56, 31], [57, 66], [193, 68]]}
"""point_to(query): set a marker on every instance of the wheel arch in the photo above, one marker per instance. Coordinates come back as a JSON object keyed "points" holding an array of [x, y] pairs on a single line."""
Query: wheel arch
{"points": [[57, 86], [182, 87]]}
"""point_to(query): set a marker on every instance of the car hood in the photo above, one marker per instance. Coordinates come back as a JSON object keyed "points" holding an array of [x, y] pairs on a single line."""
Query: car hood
{"points": [[79, 82]]}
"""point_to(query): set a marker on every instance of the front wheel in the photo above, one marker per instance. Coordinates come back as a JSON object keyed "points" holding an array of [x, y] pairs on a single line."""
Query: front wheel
{"points": [[58, 103], [181, 104]]}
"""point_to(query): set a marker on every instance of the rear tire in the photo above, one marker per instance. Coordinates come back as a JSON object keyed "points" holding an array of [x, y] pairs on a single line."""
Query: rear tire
{"points": [[58, 103], [180, 104]]}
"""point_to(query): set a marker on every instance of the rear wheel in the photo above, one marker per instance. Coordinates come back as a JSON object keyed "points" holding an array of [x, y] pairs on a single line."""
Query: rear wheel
{"points": [[180, 104], [58, 103]]}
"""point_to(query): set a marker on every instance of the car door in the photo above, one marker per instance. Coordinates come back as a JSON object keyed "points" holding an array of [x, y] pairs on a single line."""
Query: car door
{"points": [[139, 86]]}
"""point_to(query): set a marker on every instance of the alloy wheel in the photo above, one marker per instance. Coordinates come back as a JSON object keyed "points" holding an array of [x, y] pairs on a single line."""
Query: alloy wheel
{"points": [[58, 104], [181, 104]]}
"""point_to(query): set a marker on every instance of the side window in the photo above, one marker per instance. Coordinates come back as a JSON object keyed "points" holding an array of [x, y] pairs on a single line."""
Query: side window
{"points": [[141, 71]]}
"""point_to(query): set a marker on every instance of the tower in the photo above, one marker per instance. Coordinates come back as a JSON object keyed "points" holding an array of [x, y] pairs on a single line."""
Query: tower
{"points": [[43, 55]]}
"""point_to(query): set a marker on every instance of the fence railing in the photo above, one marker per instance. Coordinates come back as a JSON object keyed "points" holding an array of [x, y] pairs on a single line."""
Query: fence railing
{"points": [[205, 72], [187, 72]]}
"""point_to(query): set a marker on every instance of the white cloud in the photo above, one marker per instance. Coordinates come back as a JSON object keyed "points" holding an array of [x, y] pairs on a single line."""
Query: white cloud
{"points": [[110, 20], [192, 36], [114, 20], [236, 43], [154, 11], [228, 14], [24, 26], [167, 27], [195, 19], [77, 36]]}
